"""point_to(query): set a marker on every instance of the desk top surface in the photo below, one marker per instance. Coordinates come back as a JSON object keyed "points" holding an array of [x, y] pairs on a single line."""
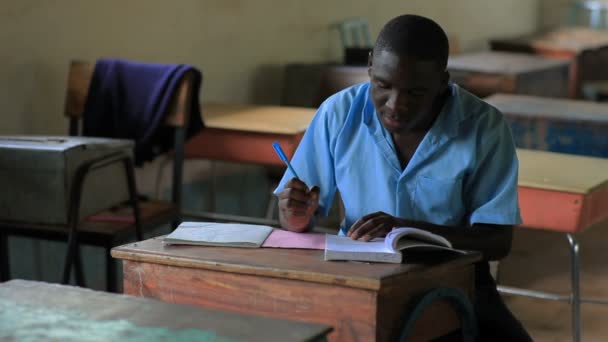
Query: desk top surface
{"points": [[561, 172], [574, 39], [37, 310], [553, 108], [257, 118], [502, 62], [297, 264]]}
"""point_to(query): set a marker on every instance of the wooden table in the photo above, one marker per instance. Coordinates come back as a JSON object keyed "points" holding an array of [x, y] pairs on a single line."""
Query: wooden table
{"points": [[41, 311], [556, 125], [562, 192], [486, 73], [245, 133], [363, 302], [308, 85], [567, 194], [585, 48]]}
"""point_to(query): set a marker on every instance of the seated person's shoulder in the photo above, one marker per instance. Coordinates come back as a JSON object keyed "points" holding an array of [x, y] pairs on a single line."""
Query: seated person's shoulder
{"points": [[340, 105], [479, 113]]}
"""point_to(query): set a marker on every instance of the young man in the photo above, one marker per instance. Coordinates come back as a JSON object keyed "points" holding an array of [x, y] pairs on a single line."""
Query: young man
{"points": [[410, 148]]}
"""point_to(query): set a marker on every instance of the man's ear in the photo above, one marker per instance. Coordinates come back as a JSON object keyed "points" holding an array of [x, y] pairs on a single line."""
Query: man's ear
{"points": [[370, 57]]}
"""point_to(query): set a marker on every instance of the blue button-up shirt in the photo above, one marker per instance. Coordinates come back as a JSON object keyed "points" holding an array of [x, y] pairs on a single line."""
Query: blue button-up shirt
{"points": [[463, 172]]}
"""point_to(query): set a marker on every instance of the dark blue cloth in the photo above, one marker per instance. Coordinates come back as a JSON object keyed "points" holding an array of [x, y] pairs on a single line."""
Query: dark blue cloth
{"points": [[129, 100]]}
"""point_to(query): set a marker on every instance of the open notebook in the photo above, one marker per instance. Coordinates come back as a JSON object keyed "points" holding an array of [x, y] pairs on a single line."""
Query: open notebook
{"points": [[389, 249], [241, 235]]}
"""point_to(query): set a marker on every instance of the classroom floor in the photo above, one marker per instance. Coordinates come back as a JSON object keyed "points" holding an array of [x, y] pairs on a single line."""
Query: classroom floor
{"points": [[540, 260]]}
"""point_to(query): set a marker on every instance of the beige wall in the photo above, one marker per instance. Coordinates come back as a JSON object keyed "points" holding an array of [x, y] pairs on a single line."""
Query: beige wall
{"points": [[553, 13], [240, 45]]}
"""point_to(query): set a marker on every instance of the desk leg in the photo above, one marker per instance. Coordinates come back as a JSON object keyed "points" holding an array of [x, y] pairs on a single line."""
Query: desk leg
{"points": [[4, 258], [111, 285], [576, 295]]}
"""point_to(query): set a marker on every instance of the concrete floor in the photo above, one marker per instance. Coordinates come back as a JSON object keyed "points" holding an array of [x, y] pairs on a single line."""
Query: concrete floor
{"points": [[540, 260]]}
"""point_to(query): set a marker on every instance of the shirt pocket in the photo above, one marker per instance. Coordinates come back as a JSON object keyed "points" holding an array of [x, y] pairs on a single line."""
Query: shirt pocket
{"points": [[439, 200]]}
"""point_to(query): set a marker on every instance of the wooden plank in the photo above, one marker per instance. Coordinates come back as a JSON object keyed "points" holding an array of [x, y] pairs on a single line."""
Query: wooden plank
{"points": [[555, 125], [40, 310], [561, 172], [352, 319], [240, 146], [550, 210], [355, 314], [486, 73], [307, 265], [492, 62], [259, 119], [585, 48], [550, 108], [562, 211], [573, 39]]}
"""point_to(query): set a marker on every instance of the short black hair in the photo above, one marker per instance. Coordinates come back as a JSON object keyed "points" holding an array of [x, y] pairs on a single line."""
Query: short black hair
{"points": [[416, 36]]}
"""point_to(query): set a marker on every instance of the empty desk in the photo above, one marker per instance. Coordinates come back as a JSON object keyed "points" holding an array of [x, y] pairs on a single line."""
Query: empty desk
{"points": [[562, 193], [245, 133], [585, 48], [35, 311], [556, 125], [486, 73]]}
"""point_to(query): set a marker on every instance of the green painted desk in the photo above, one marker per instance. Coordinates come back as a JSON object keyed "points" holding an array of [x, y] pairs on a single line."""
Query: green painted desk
{"points": [[35, 311]]}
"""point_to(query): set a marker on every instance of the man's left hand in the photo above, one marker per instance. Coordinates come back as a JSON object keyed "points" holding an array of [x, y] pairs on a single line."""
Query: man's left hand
{"points": [[372, 226]]}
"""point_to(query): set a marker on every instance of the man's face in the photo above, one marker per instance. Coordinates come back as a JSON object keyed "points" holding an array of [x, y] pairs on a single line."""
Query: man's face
{"points": [[404, 89]]}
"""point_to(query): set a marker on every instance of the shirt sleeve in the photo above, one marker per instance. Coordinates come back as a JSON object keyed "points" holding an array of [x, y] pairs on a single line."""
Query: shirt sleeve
{"points": [[313, 160], [492, 186]]}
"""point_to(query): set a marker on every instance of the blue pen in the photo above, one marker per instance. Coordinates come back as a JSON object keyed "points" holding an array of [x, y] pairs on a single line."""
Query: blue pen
{"points": [[283, 157]]}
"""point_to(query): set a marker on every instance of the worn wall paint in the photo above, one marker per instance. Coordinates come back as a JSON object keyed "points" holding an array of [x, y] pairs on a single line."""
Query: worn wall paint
{"points": [[240, 45]]}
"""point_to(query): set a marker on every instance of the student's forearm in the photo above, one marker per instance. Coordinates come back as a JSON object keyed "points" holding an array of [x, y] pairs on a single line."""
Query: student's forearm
{"points": [[493, 241]]}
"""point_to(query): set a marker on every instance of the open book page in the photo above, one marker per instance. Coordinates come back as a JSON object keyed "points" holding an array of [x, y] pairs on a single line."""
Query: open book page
{"points": [[345, 248], [406, 237], [219, 234]]}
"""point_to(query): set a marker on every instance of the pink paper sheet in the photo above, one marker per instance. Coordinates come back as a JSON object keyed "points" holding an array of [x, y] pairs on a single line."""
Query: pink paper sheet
{"points": [[284, 239]]}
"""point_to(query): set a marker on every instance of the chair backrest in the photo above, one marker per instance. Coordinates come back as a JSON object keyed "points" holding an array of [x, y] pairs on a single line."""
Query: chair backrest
{"points": [[79, 80]]}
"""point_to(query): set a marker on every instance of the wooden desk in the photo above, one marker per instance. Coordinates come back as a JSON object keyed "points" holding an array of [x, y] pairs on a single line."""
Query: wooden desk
{"points": [[562, 193], [40, 311], [363, 302], [486, 73], [585, 48], [556, 125], [245, 133], [308, 85]]}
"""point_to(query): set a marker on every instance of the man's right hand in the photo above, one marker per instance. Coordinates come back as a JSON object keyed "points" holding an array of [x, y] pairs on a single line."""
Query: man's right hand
{"points": [[297, 205]]}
